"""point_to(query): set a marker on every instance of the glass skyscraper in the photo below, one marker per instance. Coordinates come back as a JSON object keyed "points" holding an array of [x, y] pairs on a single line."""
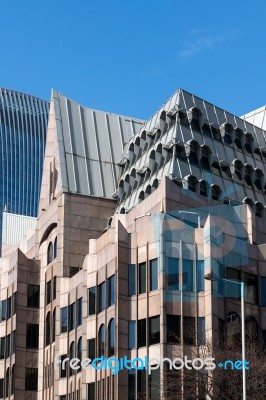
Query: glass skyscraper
{"points": [[23, 124]]}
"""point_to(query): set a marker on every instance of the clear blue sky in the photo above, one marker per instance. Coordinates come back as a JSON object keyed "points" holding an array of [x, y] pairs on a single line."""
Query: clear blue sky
{"points": [[129, 56]]}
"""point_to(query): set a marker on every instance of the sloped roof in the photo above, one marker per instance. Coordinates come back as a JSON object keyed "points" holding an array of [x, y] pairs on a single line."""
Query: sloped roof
{"points": [[257, 117], [90, 144], [173, 142]]}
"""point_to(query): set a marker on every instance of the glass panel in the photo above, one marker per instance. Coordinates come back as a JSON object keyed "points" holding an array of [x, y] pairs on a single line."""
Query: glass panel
{"points": [[91, 391], [173, 272], [32, 338], [201, 331], [132, 384], [200, 275], [131, 335], [92, 300], [102, 297], [187, 275], [91, 349], [173, 328], [64, 319], [111, 291], [48, 292], [154, 331], [154, 274], [251, 288], [154, 384], [189, 330], [142, 333], [33, 296], [131, 279], [4, 310], [72, 316], [142, 278], [263, 291], [111, 338], [142, 383], [101, 343]]}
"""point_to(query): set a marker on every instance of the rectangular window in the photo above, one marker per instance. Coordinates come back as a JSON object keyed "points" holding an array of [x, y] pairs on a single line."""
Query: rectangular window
{"points": [[102, 298], [154, 274], [251, 288], [131, 335], [264, 338], [13, 342], [91, 391], [232, 289], [64, 319], [4, 310], [54, 287], [188, 275], [63, 366], [33, 296], [173, 328], [132, 384], [263, 291], [154, 384], [142, 332], [72, 316], [92, 301], [48, 292], [201, 331], [173, 272], [221, 332], [2, 348], [91, 348], [154, 330], [32, 336], [111, 290], [189, 331], [1, 388], [8, 311], [142, 383], [142, 278], [7, 350], [131, 279], [31, 379], [200, 275], [79, 312], [14, 303]]}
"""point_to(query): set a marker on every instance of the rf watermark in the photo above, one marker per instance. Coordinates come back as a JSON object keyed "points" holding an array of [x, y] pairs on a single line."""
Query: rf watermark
{"points": [[118, 364]]}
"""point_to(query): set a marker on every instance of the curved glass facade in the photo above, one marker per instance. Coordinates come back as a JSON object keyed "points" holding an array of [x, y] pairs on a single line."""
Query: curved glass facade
{"points": [[23, 124]]}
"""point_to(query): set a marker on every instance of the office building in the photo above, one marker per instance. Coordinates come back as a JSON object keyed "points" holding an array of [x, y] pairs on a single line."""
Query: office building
{"points": [[23, 124], [133, 216]]}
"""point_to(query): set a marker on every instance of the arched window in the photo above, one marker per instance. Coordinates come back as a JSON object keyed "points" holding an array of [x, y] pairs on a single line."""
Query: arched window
{"points": [[79, 351], [48, 329], [7, 383], [55, 248], [101, 341], [53, 328], [111, 338], [13, 380], [50, 253], [72, 354]]}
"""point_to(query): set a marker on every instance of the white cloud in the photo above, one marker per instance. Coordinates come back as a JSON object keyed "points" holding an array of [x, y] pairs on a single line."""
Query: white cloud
{"points": [[200, 40]]}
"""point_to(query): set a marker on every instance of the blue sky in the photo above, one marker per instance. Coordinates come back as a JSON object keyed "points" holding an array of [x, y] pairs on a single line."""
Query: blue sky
{"points": [[129, 56]]}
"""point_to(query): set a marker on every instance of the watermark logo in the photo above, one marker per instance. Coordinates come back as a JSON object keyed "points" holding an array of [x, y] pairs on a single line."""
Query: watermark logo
{"points": [[118, 364]]}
